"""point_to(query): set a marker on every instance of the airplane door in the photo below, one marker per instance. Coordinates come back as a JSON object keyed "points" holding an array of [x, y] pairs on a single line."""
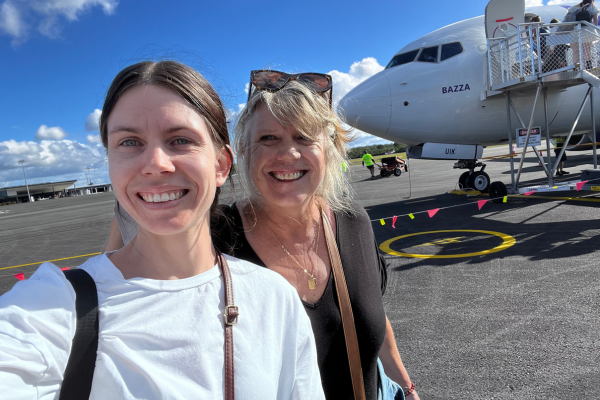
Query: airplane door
{"points": [[503, 16]]}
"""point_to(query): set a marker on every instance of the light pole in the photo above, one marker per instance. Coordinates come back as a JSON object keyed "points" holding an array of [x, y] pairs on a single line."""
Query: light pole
{"points": [[27, 186], [86, 175]]}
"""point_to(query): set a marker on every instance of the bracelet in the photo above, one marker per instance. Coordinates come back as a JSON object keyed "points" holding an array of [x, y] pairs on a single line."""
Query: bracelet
{"points": [[409, 390]]}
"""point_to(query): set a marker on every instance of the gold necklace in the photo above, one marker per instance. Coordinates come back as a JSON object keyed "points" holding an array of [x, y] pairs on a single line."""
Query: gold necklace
{"points": [[312, 282]]}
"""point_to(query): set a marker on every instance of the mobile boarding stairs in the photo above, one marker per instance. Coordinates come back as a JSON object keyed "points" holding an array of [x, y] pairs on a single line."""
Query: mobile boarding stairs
{"points": [[526, 61]]}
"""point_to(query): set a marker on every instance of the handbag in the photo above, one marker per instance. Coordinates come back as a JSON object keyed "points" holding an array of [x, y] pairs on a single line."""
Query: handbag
{"points": [[339, 278]]}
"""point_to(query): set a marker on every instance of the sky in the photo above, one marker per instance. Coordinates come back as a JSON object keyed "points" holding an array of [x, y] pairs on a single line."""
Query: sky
{"points": [[58, 57]]}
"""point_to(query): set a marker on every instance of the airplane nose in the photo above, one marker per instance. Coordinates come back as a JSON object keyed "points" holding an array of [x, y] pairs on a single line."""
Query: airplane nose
{"points": [[368, 106]]}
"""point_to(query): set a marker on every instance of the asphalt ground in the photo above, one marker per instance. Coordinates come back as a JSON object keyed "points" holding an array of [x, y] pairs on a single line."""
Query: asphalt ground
{"points": [[515, 320]]}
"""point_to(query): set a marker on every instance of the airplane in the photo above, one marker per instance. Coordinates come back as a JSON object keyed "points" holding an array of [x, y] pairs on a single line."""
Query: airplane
{"points": [[434, 94]]}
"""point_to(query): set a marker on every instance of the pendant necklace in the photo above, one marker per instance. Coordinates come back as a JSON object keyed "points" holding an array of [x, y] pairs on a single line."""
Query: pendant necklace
{"points": [[312, 282]]}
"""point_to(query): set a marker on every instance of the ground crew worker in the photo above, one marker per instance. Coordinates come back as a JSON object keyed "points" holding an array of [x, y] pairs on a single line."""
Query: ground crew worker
{"points": [[367, 161]]}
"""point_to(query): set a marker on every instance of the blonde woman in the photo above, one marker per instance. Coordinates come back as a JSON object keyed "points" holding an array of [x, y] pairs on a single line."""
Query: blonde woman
{"points": [[290, 147], [175, 318]]}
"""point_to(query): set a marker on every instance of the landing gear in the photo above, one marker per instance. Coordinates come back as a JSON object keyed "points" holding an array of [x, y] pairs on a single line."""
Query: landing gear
{"points": [[462, 181], [497, 192], [472, 179], [479, 181]]}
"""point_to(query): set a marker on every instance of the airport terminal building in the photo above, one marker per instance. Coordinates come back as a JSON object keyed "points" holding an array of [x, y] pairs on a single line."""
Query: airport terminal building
{"points": [[43, 191]]}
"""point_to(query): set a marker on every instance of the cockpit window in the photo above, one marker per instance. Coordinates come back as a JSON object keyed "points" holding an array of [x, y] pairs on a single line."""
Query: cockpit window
{"points": [[429, 54], [402, 59], [451, 50]]}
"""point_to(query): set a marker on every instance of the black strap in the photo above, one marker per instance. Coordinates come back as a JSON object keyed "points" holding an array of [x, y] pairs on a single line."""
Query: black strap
{"points": [[77, 383]]}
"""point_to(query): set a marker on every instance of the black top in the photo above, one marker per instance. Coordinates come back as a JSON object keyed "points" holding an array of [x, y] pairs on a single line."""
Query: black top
{"points": [[366, 278]]}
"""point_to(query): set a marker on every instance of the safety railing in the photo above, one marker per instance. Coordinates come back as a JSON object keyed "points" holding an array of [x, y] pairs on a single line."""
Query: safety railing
{"points": [[539, 49]]}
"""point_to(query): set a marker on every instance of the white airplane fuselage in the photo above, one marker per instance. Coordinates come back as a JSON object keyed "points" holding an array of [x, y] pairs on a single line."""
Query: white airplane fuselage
{"points": [[445, 102]]}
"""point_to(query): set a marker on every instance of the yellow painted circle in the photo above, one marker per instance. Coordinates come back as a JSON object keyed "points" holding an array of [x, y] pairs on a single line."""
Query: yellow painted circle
{"points": [[507, 241]]}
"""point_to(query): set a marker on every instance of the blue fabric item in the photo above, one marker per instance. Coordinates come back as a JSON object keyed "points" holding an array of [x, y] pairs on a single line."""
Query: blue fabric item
{"points": [[387, 388]]}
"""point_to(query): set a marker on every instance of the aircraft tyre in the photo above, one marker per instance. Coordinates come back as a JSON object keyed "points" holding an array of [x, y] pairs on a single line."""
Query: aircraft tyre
{"points": [[397, 171], [462, 181], [383, 173], [479, 181], [498, 191]]}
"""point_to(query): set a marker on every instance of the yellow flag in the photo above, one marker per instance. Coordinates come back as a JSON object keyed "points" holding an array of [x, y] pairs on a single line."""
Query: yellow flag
{"points": [[504, 199], [411, 216], [382, 221]]}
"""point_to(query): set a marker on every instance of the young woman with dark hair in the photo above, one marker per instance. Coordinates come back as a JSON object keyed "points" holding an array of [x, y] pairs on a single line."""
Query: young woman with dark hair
{"points": [[176, 318]]}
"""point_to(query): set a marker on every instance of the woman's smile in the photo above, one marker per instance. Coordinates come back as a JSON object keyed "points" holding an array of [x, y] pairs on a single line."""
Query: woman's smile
{"points": [[162, 197], [288, 176]]}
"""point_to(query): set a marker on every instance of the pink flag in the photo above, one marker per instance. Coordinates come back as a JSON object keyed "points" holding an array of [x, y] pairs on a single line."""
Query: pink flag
{"points": [[432, 212], [580, 185], [64, 269], [529, 193], [394, 221], [480, 203], [20, 276]]}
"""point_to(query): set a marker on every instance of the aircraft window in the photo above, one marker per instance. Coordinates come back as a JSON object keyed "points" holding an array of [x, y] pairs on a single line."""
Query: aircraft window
{"points": [[429, 54], [451, 50], [402, 59]]}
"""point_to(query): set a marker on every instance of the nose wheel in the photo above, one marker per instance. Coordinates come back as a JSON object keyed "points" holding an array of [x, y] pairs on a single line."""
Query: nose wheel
{"points": [[477, 180]]}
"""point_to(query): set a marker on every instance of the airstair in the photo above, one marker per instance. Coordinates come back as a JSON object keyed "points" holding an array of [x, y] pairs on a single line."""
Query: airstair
{"points": [[531, 57]]}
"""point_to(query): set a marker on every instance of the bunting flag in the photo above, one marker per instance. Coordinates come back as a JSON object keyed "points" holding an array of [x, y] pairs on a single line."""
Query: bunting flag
{"points": [[505, 199], [394, 222], [480, 203], [64, 269], [411, 216], [529, 193], [580, 185], [20, 276], [382, 221], [432, 212]]}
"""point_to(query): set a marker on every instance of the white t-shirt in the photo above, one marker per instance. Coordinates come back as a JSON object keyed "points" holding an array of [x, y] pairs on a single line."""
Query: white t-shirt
{"points": [[160, 339]]}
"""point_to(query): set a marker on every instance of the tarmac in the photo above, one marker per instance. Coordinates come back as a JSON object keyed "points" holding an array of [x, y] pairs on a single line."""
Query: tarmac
{"points": [[493, 303]]}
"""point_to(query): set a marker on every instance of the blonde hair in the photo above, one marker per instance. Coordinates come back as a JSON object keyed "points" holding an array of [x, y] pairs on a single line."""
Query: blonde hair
{"points": [[310, 114]]}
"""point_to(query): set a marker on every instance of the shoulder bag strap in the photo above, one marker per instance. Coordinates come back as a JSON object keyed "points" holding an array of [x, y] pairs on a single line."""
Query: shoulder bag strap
{"points": [[77, 381], [346, 311], [230, 318]]}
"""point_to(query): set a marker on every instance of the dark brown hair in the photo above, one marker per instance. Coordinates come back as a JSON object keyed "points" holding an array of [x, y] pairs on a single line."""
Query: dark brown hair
{"points": [[181, 79]]}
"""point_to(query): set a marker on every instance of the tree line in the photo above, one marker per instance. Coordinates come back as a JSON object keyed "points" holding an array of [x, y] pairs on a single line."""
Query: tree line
{"points": [[376, 149]]}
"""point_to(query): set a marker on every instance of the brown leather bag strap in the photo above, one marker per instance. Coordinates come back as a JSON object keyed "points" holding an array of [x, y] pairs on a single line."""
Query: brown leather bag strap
{"points": [[346, 311], [230, 318]]}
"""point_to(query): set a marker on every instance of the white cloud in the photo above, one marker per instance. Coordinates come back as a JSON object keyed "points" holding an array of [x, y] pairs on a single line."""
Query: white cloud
{"points": [[44, 132], [559, 2], [233, 114], [94, 139], [533, 3], [344, 82], [61, 159], [359, 71], [11, 22], [92, 122], [47, 15]]}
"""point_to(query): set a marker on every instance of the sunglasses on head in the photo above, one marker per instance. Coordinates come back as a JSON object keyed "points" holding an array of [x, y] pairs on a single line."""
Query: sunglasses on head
{"points": [[272, 81]]}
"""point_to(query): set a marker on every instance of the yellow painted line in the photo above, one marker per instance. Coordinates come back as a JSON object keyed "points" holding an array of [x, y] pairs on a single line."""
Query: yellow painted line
{"points": [[558, 198], [594, 200], [507, 241], [418, 201], [58, 259]]}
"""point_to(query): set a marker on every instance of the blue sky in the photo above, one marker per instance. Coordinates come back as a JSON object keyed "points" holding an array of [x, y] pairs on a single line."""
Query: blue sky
{"points": [[57, 58]]}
